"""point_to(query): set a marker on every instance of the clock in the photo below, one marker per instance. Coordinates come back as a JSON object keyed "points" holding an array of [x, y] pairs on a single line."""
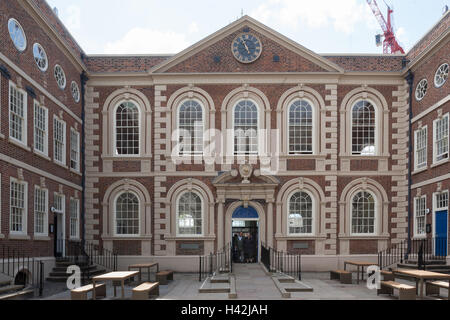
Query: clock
{"points": [[246, 48]]}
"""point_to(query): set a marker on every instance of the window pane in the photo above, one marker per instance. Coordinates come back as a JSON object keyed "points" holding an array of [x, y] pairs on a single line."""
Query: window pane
{"points": [[190, 117], [127, 129], [190, 214], [246, 128], [363, 213], [300, 214], [127, 214], [363, 128]]}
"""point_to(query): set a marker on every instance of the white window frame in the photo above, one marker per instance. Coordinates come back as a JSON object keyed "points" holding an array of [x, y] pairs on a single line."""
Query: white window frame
{"points": [[190, 152], [436, 74], [62, 74], [418, 235], [416, 157], [376, 133], [258, 128], [63, 162], [77, 226], [313, 129], [45, 152], [375, 218], [115, 216], [313, 215], [23, 32], [421, 84], [77, 160], [177, 215], [45, 222], [435, 155], [25, 208], [25, 109], [45, 57], [436, 209], [117, 155]]}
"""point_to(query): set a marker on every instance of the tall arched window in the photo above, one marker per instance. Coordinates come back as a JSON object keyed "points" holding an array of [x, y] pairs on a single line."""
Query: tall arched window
{"points": [[127, 214], [300, 128], [363, 213], [127, 129], [246, 127], [189, 215], [191, 126], [300, 214], [363, 128]]}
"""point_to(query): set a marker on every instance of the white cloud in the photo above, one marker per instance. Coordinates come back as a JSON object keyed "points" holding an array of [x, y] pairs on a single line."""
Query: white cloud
{"points": [[148, 41], [193, 28], [73, 18], [343, 15], [402, 38]]}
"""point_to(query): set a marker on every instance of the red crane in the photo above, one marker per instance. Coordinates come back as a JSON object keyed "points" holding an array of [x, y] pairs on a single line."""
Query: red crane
{"points": [[390, 44]]}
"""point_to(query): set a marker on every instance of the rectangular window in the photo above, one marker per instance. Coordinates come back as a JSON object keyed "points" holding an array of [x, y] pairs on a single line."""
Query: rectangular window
{"points": [[74, 215], [17, 219], [58, 200], [40, 129], [40, 211], [442, 201], [59, 129], [17, 114], [74, 150], [441, 138], [420, 208], [421, 148]]}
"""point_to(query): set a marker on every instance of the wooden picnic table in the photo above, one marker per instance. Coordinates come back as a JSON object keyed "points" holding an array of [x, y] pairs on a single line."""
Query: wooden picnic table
{"points": [[147, 266], [360, 265], [115, 276], [422, 276]]}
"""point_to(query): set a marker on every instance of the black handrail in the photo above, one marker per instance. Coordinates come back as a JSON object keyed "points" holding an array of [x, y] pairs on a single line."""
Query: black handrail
{"points": [[281, 262], [13, 262], [420, 251], [214, 263]]}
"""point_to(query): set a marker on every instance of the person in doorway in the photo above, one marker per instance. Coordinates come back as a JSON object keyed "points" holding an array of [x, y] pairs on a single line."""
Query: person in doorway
{"points": [[249, 245], [240, 245], [235, 248]]}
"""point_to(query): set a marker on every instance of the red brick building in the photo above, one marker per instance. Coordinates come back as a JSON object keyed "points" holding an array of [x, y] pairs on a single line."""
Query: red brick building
{"points": [[245, 130]]}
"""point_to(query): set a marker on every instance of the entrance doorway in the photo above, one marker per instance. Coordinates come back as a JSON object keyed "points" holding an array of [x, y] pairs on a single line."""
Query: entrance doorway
{"points": [[59, 235], [245, 235]]}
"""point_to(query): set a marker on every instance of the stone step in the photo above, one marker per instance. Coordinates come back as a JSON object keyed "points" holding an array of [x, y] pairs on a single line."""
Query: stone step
{"points": [[5, 283], [10, 288], [18, 295], [286, 284], [220, 279], [209, 287]]}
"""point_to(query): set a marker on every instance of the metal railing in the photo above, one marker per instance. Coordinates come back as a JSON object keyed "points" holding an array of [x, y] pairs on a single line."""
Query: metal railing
{"points": [[420, 251], [215, 263], [281, 262], [25, 270]]}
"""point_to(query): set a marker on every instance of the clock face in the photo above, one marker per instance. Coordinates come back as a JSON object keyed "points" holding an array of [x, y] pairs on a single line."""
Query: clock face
{"points": [[246, 48]]}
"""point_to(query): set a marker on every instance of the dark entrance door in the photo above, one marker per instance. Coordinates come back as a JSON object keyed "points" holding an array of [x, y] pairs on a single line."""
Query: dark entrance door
{"points": [[248, 251], [441, 233]]}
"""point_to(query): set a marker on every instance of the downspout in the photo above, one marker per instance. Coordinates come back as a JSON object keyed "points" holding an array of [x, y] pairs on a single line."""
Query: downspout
{"points": [[410, 81], [84, 80]]}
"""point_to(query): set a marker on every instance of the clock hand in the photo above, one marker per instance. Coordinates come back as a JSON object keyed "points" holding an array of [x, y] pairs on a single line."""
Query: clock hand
{"points": [[245, 44]]}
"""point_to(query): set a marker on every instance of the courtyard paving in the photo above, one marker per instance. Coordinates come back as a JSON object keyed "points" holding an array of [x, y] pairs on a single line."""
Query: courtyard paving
{"points": [[251, 284]]}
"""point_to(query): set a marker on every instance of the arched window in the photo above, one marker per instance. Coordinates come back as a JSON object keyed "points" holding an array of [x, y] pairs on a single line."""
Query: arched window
{"points": [[300, 214], [363, 213], [191, 126], [127, 214], [246, 128], [363, 128], [189, 215], [127, 129], [300, 128]]}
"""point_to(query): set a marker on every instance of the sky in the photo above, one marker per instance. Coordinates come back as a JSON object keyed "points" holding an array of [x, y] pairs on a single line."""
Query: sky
{"points": [[170, 26]]}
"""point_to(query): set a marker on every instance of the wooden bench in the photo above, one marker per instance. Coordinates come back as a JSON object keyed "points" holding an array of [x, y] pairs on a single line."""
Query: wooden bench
{"points": [[143, 291], [406, 292], [344, 276], [163, 277], [82, 292], [387, 275], [433, 287]]}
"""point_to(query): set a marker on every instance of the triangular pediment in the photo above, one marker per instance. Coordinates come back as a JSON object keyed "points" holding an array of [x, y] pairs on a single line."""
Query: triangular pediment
{"points": [[214, 54]]}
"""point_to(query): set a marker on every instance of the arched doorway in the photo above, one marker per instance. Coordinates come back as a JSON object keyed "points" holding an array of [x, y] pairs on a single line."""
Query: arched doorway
{"points": [[245, 235]]}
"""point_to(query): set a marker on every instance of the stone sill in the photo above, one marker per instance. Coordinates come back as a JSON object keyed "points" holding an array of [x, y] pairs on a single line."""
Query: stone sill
{"points": [[420, 170], [127, 158], [303, 156], [440, 163], [387, 237], [118, 238], [2, 236], [60, 164], [18, 237], [201, 238], [76, 172], [356, 157], [42, 238], [19, 144], [303, 238], [42, 155]]}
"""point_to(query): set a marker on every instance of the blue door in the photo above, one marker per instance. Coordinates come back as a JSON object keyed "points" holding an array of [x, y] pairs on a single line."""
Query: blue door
{"points": [[441, 240]]}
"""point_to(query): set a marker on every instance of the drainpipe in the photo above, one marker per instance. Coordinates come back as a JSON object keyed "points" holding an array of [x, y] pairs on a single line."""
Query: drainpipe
{"points": [[410, 81], [84, 80]]}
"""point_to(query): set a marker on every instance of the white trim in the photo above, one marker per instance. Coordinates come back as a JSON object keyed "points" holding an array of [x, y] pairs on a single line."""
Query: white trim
{"points": [[45, 152], [435, 84], [77, 236], [63, 162], [421, 83], [39, 46], [114, 138], [313, 215], [23, 33], [25, 110], [376, 215], [431, 109], [314, 129], [415, 233], [117, 235], [45, 222], [435, 162], [63, 74], [191, 153], [63, 217], [424, 165], [78, 167], [258, 125], [377, 129], [24, 231]]}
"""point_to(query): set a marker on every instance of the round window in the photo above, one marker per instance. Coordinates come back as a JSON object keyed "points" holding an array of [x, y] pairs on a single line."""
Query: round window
{"points": [[441, 75], [60, 76], [17, 34], [421, 89], [75, 91], [40, 57]]}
